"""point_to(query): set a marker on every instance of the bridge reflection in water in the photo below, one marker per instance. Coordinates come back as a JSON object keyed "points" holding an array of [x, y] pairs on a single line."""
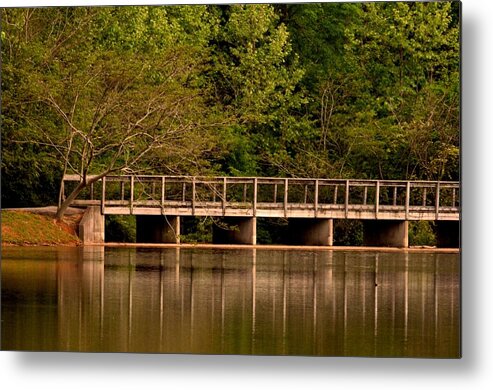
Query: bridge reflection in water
{"points": [[245, 302]]}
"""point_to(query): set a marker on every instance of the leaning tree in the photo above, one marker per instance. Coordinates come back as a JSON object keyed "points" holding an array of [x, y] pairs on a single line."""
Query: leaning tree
{"points": [[110, 90]]}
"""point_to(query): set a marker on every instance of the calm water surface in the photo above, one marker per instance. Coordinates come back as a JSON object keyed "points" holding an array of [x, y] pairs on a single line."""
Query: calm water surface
{"points": [[231, 301]]}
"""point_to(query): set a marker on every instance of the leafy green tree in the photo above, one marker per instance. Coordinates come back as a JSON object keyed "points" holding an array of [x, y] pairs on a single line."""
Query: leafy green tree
{"points": [[29, 170], [405, 62], [382, 85], [106, 102], [255, 77]]}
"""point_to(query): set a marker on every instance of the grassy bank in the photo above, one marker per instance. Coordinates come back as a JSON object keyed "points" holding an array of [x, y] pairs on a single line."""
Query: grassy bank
{"points": [[26, 228]]}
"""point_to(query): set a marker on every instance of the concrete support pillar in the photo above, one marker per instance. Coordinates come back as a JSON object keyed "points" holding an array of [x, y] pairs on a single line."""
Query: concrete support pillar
{"points": [[311, 231], [158, 229], [238, 230], [91, 226], [385, 233], [92, 253], [448, 234]]}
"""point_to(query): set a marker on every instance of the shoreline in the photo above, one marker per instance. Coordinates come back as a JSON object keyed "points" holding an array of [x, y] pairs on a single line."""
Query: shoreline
{"points": [[280, 247], [247, 247]]}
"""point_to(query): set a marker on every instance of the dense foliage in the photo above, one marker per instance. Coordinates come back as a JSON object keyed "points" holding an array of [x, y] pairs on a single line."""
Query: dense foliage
{"points": [[360, 90]]}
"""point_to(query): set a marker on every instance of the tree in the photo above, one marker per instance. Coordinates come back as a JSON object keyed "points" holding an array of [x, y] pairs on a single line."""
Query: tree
{"points": [[405, 61], [28, 174], [382, 85], [255, 77], [106, 103]]}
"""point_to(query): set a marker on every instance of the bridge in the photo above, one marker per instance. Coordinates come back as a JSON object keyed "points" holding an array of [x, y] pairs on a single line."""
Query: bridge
{"points": [[309, 204]]}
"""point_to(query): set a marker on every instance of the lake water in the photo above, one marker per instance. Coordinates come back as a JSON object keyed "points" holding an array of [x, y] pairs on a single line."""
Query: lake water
{"points": [[224, 301]]}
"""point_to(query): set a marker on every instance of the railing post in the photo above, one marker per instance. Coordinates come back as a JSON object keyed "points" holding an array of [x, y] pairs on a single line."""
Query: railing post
{"points": [[254, 196], [377, 198], [103, 194], [163, 193], [122, 190], [365, 195], [184, 191], [394, 201], [335, 193], [346, 199], [306, 194], [275, 193], [193, 195], [437, 200], [424, 196], [224, 196], [408, 190], [285, 197], [131, 194], [453, 196], [91, 190], [315, 201]]}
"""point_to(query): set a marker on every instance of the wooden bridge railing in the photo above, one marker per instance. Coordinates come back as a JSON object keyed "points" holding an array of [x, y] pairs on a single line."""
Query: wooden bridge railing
{"points": [[276, 197]]}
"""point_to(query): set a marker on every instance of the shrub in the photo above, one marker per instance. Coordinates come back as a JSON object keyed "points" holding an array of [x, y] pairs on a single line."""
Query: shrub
{"points": [[421, 233]]}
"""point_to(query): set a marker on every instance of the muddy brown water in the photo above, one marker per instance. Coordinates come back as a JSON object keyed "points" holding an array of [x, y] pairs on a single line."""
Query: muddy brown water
{"points": [[232, 301]]}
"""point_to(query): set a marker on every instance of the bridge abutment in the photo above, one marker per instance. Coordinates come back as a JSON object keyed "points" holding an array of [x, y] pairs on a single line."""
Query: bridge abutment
{"points": [[311, 231], [448, 234], [91, 226], [158, 229], [238, 230], [385, 233]]}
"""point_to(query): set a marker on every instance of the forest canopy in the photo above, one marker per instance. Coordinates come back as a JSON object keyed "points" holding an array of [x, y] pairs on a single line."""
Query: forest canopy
{"points": [[330, 90]]}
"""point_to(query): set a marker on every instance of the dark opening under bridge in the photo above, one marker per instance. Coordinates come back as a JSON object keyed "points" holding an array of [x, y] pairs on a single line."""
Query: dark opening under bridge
{"points": [[309, 205]]}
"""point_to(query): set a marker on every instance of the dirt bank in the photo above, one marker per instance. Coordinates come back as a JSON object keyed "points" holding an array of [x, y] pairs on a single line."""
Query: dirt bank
{"points": [[37, 226]]}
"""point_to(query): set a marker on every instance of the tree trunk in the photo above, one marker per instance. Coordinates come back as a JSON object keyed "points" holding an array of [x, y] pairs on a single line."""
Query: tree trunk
{"points": [[62, 208]]}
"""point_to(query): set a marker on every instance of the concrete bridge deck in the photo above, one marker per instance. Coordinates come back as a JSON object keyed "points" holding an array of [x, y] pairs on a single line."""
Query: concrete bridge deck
{"points": [[244, 198]]}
